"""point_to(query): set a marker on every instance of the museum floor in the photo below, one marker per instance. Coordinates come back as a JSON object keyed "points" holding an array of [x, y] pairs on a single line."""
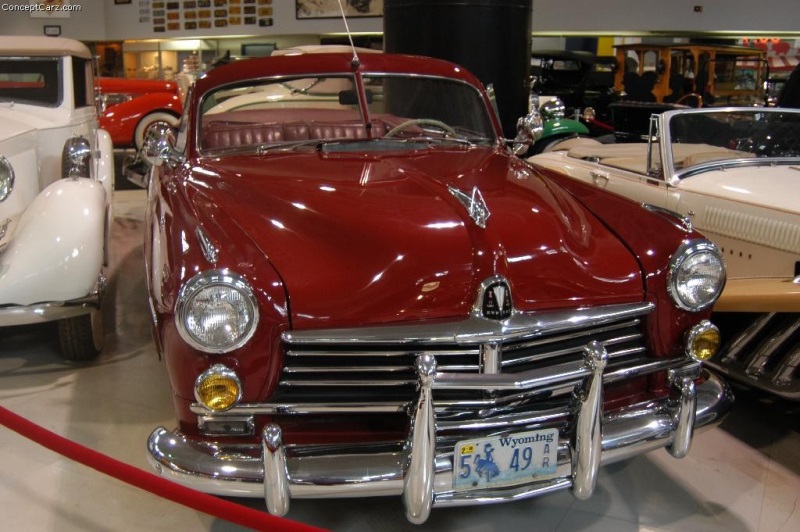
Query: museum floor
{"points": [[741, 476]]}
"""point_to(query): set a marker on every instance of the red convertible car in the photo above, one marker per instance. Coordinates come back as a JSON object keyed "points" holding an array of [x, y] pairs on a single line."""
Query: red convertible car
{"points": [[359, 290], [128, 107]]}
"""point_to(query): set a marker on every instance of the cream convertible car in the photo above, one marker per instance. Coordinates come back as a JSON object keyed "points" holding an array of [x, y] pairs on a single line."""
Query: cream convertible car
{"points": [[734, 173]]}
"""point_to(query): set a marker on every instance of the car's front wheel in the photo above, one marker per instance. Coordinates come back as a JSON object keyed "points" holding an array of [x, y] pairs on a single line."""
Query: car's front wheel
{"points": [[153, 119], [81, 337]]}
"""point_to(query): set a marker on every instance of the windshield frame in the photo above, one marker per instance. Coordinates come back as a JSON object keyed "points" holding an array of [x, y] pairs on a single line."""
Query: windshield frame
{"points": [[675, 171]]}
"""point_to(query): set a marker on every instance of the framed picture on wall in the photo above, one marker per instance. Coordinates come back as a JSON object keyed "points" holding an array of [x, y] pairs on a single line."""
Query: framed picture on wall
{"points": [[330, 8]]}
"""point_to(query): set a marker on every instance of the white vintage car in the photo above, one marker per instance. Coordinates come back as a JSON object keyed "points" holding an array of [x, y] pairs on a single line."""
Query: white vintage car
{"points": [[734, 173], [56, 182]]}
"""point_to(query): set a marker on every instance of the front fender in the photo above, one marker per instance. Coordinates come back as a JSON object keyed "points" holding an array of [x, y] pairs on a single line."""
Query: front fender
{"points": [[563, 126], [56, 250], [121, 120]]}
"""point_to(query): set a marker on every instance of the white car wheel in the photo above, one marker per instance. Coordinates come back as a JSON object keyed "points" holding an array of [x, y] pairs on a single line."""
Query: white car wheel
{"points": [[81, 337], [149, 121]]}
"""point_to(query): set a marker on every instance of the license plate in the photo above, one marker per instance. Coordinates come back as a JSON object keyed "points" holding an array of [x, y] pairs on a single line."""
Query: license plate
{"points": [[505, 460]]}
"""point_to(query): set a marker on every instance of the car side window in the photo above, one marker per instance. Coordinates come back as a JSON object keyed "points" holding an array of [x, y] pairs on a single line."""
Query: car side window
{"points": [[83, 86]]}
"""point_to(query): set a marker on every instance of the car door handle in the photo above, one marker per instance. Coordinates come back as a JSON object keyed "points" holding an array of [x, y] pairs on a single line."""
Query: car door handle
{"points": [[598, 175]]}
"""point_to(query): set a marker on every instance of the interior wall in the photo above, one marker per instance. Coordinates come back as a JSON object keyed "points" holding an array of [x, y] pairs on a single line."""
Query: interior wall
{"points": [[105, 20], [748, 17], [85, 23]]}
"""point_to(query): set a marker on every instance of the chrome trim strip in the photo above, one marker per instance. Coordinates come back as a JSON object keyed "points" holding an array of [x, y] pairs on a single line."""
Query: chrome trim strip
{"points": [[768, 347], [588, 430], [56, 310], [520, 326], [33, 314], [580, 333], [351, 474], [745, 337], [209, 249], [677, 219], [784, 375]]}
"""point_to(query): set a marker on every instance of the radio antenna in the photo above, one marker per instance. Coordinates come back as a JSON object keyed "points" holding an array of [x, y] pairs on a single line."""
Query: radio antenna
{"points": [[355, 61]]}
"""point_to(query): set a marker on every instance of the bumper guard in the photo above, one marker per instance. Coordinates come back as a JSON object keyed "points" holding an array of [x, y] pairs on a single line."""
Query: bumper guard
{"points": [[424, 478]]}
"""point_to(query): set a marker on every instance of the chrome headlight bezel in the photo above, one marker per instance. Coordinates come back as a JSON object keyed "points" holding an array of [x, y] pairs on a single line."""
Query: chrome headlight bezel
{"points": [[6, 178], [553, 109], [213, 280], [690, 254], [76, 158]]}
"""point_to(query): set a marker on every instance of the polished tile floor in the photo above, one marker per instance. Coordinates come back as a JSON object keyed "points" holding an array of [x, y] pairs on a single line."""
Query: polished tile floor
{"points": [[741, 476]]}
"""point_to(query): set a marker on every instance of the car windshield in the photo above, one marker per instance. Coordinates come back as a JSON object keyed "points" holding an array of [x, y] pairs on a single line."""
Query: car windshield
{"points": [[30, 80], [402, 111], [702, 138]]}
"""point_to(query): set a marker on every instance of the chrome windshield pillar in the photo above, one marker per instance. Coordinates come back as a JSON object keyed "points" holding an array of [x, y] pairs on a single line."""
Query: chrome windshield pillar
{"points": [[588, 432], [684, 417], [276, 472], [418, 480]]}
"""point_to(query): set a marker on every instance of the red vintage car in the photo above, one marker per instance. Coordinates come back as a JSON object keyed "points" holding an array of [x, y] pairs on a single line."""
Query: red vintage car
{"points": [[128, 107], [359, 290]]}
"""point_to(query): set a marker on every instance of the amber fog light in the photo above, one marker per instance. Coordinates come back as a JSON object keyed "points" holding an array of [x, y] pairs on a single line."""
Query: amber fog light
{"points": [[218, 388], [702, 341]]}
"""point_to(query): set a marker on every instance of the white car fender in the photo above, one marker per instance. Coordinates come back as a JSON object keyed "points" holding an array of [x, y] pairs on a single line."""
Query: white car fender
{"points": [[56, 250]]}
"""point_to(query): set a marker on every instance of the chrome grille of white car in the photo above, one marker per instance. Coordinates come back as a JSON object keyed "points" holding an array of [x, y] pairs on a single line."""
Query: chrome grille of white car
{"points": [[763, 351]]}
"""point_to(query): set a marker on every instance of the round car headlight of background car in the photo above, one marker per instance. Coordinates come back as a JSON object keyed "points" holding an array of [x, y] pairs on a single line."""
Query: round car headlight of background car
{"points": [[216, 311], [6, 178], [696, 275]]}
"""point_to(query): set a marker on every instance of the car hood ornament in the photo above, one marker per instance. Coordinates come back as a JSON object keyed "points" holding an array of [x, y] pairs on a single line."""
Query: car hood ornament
{"points": [[474, 203]]}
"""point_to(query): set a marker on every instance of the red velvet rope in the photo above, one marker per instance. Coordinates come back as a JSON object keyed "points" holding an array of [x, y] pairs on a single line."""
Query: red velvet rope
{"points": [[229, 511]]}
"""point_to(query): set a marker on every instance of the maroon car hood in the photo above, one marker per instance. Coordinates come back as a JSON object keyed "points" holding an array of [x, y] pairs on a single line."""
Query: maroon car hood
{"points": [[364, 240]]}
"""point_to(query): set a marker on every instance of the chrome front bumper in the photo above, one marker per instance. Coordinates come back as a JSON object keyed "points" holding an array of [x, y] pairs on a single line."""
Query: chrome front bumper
{"points": [[423, 476]]}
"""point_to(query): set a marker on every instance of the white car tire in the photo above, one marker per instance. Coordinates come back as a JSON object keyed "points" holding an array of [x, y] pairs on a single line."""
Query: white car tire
{"points": [[159, 117], [81, 337]]}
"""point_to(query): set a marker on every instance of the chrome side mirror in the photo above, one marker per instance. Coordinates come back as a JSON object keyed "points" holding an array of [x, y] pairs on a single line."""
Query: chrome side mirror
{"points": [[159, 146], [529, 130]]}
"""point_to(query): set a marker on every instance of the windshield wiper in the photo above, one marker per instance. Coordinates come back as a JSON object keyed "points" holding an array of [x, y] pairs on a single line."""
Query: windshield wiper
{"points": [[439, 140], [279, 146]]}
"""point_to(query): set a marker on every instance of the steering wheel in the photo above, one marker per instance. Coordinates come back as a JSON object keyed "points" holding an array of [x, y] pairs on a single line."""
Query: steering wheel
{"points": [[420, 122], [699, 99]]}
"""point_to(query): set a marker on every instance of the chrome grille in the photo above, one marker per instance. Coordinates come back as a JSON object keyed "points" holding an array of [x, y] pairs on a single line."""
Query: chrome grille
{"points": [[763, 351], [368, 365]]}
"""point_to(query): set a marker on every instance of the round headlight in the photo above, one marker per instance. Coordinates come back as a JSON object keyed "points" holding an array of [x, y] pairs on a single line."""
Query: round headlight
{"points": [[552, 109], [6, 178], [218, 388], [216, 311], [696, 275]]}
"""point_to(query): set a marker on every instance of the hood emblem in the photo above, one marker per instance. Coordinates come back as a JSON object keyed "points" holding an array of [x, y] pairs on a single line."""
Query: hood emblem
{"points": [[496, 304], [474, 203]]}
